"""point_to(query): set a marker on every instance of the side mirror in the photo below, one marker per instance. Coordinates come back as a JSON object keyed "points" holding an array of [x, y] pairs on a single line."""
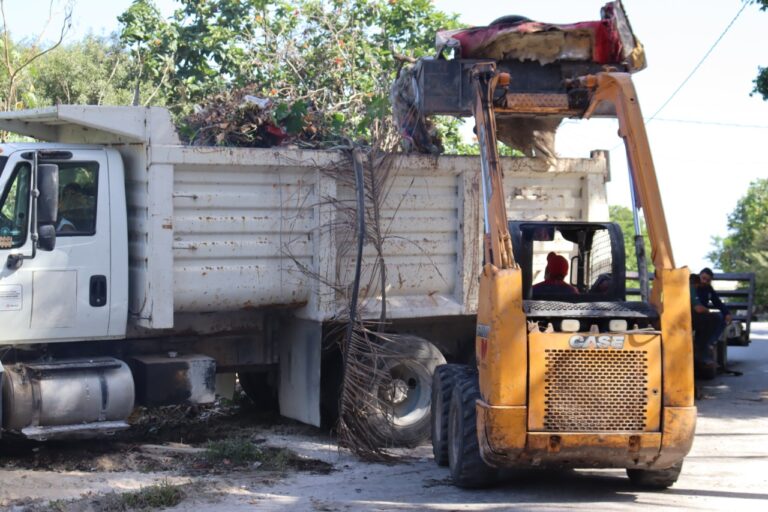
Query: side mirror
{"points": [[47, 205], [48, 200], [46, 237]]}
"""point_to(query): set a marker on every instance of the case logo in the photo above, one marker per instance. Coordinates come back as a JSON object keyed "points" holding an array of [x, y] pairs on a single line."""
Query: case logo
{"points": [[592, 341]]}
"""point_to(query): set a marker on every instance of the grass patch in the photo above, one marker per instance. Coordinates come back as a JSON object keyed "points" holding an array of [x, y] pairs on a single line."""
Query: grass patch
{"points": [[157, 496], [242, 452], [233, 451]]}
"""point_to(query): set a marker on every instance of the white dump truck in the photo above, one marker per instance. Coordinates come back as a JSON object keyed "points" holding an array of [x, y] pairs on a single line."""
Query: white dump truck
{"points": [[138, 270]]}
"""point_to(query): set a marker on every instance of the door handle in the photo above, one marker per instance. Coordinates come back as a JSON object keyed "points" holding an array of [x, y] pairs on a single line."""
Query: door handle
{"points": [[98, 291]]}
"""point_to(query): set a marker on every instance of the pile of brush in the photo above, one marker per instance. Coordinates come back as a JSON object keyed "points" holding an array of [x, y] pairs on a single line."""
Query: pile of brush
{"points": [[241, 117]]}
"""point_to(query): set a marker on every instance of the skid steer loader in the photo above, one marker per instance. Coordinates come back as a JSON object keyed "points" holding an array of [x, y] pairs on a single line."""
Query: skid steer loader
{"points": [[585, 380]]}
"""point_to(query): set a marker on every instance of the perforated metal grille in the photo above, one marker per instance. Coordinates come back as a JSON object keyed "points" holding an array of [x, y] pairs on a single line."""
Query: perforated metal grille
{"points": [[595, 390]]}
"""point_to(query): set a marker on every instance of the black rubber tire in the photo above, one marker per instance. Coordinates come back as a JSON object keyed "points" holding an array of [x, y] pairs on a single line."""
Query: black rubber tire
{"points": [[412, 360], [468, 469], [261, 389], [443, 382], [655, 478]]}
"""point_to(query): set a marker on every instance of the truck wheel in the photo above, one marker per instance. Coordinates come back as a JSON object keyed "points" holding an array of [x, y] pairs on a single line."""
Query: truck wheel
{"points": [[468, 469], [403, 419], [655, 478], [260, 389], [443, 382]]}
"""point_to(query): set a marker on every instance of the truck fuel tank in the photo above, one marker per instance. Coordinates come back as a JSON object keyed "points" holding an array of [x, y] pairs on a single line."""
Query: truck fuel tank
{"points": [[62, 398]]}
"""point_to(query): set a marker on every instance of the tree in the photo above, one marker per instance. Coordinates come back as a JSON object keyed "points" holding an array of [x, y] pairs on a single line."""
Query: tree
{"points": [[624, 218], [16, 91], [93, 71], [333, 56], [761, 82], [744, 248]]}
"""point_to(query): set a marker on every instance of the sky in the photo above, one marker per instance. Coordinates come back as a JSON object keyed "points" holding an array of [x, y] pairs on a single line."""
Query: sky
{"points": [[708, 143]]}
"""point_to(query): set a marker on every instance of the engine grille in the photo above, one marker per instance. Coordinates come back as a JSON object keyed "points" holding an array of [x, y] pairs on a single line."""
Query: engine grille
{"points": [[595, 390]]}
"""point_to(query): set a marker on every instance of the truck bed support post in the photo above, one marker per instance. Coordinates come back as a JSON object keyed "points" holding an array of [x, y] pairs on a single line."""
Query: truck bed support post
{"points": [[299, 394]]}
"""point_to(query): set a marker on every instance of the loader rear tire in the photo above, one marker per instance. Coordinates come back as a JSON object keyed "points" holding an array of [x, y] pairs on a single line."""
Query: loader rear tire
{"points": [[655, 478], [443, 382], [468, 469]]}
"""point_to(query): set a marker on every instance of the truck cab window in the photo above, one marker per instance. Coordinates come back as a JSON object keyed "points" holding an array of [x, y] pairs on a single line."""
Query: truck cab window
{"points": [[78, 185], [14, 209]]}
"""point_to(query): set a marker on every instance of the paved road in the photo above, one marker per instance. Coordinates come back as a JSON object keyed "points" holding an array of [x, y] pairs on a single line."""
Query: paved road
{"points": [[727, 468]]}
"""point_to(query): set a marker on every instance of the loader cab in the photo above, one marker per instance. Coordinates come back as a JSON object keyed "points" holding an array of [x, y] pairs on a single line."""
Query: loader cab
{"points": [[594, 251]]}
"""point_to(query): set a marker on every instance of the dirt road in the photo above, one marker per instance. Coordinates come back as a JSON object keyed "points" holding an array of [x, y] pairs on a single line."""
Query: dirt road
{"points": [[727, 468]]}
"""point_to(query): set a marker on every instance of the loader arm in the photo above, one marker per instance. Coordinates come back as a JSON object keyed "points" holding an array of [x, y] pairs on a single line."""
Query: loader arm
{"points": [[617, 88], [497, 241]]}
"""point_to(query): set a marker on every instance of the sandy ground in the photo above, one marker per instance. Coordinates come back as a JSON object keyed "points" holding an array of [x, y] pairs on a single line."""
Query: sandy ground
{"points": [[727, 468]]}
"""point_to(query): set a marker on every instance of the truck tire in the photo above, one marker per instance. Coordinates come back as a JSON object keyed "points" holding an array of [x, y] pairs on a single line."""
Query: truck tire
{"points": [[403, 419], [655, 478], [443, 382], [468, 469], [260, 389]]}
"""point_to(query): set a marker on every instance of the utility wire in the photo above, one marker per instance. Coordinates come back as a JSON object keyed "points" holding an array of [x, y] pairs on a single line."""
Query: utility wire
{"points": [[694, 70], [713, 123], [690, 121], [697, 66]]}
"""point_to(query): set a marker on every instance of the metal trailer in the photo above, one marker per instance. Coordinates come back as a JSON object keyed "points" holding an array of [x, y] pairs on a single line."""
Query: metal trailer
{"points": [[201, 262]]}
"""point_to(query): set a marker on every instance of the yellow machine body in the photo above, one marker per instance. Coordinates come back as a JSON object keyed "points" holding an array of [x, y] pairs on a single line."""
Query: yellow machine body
{"points": [[582, 399]]}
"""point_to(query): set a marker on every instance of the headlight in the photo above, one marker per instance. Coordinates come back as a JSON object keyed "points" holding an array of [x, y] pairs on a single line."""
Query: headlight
{"points": [[617, 325]]}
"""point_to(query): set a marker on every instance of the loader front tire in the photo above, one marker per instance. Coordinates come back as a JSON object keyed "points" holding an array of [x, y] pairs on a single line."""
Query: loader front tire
{"points": [[443, 382], [468, 469], [655, 478]]}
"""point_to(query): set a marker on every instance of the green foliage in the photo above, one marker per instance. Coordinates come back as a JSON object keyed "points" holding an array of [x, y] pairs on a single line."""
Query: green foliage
{"points": [[624, 218], [744, 248], [152, 497], [336, 56], [235, 451], [761, 81], [93, 71]]}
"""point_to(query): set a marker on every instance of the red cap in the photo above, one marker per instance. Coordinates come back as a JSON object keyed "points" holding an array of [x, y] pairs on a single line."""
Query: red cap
{"points": [[557, 266]]}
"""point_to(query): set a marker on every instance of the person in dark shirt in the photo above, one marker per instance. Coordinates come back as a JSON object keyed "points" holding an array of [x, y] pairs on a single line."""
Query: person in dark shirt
{"points": [[707, 326], [708, 297], [554, 278]]}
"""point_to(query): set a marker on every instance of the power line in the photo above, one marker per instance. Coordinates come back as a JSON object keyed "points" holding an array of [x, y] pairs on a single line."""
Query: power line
{"points": [[694, 70], [697, 66], [713, 123]]}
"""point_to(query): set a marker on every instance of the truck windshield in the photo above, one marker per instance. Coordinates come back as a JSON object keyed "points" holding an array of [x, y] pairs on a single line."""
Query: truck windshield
{"points": [[14, 209], [3, 160]]}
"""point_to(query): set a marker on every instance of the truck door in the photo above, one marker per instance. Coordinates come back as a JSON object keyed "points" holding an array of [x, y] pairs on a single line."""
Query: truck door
{"points": [[62, 294]]}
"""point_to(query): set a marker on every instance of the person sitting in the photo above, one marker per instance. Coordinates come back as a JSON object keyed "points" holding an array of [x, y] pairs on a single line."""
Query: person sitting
{"points": [[72, 198], [554, 278], [705, 326]]}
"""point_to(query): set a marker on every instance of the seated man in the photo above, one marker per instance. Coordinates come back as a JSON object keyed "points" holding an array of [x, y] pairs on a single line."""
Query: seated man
{"points": [[554, 278], [706, 329], [72, 198]]}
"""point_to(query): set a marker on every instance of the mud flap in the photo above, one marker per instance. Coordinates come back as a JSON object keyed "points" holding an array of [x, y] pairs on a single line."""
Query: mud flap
{"points": [[299, 394]]}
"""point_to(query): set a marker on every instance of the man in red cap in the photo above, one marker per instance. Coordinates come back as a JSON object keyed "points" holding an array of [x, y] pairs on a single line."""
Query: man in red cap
{"points": [[554, 278]]}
